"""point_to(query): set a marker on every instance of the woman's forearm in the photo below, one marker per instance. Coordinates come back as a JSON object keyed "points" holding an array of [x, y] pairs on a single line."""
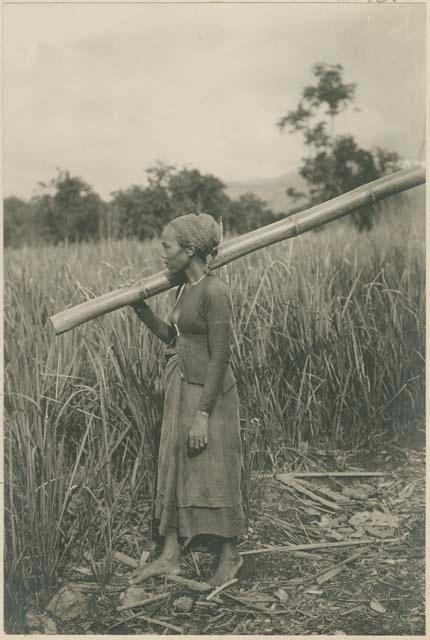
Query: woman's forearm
{"points": [[164, 331], [213, 385]]}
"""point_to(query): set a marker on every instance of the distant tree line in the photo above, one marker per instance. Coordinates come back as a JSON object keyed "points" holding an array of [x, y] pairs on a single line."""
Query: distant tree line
{"points": [[68, 208]]}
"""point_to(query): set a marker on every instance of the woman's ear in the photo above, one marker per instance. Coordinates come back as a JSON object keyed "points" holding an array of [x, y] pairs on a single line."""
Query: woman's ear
{"points": [[190, 250]]}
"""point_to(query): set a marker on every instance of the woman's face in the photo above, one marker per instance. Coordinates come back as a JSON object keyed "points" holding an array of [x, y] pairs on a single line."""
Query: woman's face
{"points": [[174, 256]]}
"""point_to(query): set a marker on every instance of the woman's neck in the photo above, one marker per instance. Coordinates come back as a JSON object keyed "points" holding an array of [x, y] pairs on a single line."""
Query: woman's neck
{"points": [[195, 271]]}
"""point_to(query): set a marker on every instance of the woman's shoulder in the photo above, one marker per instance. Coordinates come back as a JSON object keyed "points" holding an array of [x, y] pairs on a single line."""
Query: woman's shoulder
{"points": [[215, 295], [215, 286]]}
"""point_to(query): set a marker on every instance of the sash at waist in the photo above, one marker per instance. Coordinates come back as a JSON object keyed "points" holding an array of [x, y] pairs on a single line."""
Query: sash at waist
{"points": [[174, 359]]}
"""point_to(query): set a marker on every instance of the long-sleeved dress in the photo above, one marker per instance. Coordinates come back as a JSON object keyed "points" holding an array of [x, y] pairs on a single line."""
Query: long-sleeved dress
{"points": [[199, 493]]}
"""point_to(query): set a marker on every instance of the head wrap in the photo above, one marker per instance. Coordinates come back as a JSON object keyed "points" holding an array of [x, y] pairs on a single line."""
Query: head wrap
{"points": [[200, 231]]}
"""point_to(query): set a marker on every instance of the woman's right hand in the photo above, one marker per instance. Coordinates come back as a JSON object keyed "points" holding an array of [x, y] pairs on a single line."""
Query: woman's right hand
{"points": [[138, 303], [198, 434], [127, 283]]}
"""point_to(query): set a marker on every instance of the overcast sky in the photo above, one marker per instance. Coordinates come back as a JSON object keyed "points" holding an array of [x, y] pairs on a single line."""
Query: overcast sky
{"points": [[106, 90]]}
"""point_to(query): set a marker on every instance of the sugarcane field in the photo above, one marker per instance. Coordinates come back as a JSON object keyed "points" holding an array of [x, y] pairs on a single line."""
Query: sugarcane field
{"points": [[214, 390]]}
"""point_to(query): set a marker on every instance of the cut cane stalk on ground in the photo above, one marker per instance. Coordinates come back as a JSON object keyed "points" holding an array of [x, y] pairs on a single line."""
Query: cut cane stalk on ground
{"points": [[317, 545]]}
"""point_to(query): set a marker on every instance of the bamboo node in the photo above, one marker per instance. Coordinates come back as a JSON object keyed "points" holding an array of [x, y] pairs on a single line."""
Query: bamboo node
{"points": [[371, 196]]}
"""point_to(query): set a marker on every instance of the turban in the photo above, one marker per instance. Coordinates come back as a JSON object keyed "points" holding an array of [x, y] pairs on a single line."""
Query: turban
{"points": [[200, 231]]}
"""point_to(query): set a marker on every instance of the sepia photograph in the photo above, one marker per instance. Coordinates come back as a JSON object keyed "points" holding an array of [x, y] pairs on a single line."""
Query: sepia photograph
{"points": [[214, 318]]}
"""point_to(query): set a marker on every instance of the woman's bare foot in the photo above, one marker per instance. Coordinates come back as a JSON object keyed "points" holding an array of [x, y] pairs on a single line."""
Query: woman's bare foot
{"points": [[158, 567], [168, 562], [229, 564]]}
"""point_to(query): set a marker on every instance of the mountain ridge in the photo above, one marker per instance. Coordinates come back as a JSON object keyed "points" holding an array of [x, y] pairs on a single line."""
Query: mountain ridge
{"points": [[272, 190]]}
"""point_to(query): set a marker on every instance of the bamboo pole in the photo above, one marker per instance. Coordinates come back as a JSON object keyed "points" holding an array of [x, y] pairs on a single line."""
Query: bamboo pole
{"points": [[247, 243]]}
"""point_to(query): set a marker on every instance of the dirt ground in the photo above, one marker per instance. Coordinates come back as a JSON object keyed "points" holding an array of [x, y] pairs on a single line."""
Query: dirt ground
{"points": [[377, 521]]}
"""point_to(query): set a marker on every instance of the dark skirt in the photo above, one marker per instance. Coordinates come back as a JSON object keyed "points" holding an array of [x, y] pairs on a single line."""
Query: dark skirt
{"points": [[198, 494]]}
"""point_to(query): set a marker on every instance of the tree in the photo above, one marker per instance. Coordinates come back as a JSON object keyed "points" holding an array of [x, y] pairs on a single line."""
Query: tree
{"points": [[68, 209], [334, 163], [18, 226], [193, 191], [249, 212], [143, 211]]}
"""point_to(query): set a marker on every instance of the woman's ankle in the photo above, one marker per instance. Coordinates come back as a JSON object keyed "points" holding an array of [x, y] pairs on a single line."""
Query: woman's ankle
{"points": [[229, 547], [171, 549]]}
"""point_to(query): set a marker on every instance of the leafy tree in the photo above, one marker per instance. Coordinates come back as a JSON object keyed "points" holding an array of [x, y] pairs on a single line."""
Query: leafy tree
{"points": [[143, 211], [140, 211], [249, 212], [193, 191], [68, 209], [18, 225], [160, 174], [334, 163]]}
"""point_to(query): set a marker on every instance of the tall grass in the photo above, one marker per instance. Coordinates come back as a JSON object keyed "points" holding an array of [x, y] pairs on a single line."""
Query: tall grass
{"points": [[328, 349]]}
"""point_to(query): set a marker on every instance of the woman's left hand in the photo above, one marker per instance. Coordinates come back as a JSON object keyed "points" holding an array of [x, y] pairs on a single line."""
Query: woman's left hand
{"points": [[198, 435]]}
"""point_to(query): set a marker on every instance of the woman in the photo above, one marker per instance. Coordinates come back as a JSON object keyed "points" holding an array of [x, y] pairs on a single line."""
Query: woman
{"points": [[198, 487]]}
